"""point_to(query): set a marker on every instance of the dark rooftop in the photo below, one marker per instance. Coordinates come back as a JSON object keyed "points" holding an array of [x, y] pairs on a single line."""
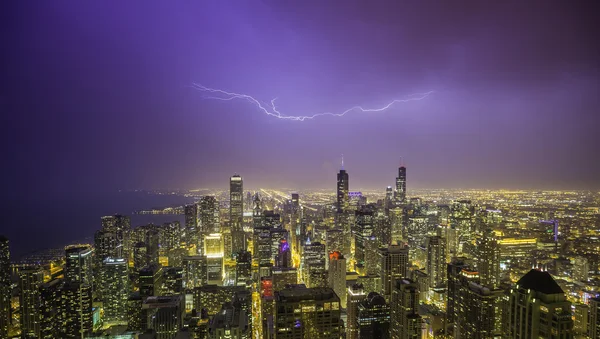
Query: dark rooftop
{"points": [[541, 282]]}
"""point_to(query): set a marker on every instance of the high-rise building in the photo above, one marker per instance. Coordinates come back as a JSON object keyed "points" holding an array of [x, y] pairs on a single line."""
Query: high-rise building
{"points": [[152, 246], [164, 315], [231, 323], [313, 265], [401, 185], [29, 301], [78, 266], [364, 233], [453, 270], [116, 290], [76, 310], [151, 280], [436, 261], [284, 254], [302, 312], [394, 266], [209, 215], [236, 213], [194, 271], [581, 269], [373, 317], [283, 276], [243, 268], [337, 276], [342, 191], [405, 319], [355, 296], [50, 311], [5, 287], [488, 260], [538, 308], [594, 318]]}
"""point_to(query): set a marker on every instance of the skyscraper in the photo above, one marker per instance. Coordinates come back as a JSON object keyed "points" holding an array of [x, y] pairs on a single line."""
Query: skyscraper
{"points": [[373, 317], [116, 290], [488, 260], [5, 287], [29, 301], [356, 295], [236, 213], [76, 308], [594, 318], [302, 312], [208, 215], [337, 275], [401, 185], [78, 266], [394, 266], [405, 319], [538, 308], [50, 312], [342, 191], [436, 260]]}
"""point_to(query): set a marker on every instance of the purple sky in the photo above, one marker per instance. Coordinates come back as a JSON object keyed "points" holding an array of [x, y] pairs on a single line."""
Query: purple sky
{"points": [[95, 95]]}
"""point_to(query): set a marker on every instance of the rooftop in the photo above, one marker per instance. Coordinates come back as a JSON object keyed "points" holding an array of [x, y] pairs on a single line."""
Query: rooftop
{"points": [[541, 282]]}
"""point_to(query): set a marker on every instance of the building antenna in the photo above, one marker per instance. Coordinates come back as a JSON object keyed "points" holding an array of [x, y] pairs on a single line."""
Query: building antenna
{"points": [[342, 161]]}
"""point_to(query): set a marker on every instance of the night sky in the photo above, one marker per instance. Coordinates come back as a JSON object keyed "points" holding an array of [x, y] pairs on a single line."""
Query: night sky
{"points": [[96, 95]]}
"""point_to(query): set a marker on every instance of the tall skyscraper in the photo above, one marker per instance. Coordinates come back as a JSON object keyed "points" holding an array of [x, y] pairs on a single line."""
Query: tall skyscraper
{"points": [[373, 317], [302, 312], [30, 281], [453, 270], [401, 185], [116, 290], [208, 215], [342, 191], [5, 287], [394, 266], [236, 213], [356, 295], [337, 275], [436, 260], [78, 266], [76, 309], [50, 312], [594, 318], [488, 260], [538, 308], [406, 322]]}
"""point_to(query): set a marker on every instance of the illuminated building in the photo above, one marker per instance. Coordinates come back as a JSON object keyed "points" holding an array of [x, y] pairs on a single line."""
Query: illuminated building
{"points": [[488, 260], [213, 245], [116, 289], [355, 296], [389, 196], [365, 219], [152, 246], [78, 266], [284, 254], [29, 301], [453, 270], [594, 318], [302, 312], [194, 271], [151, 280], [581, 269], [337, 276], [243, 268], [405, 320], [436, 260], [5, 287], [373, 317], [191, 218], [580, 319], [208, 214], [283, 276], [172, 281], [230, 322], [236, 213], [394, 265], [342, 191], [396, 215], [257, 211], [50, 314], [76, 310], [120, 226], [140, 255], [135, 321], [538, 308], [210, 298], [313, 265], [512, 248], [334, 240], [401, 185], [461, 219], [164, 315], [262, 245]]}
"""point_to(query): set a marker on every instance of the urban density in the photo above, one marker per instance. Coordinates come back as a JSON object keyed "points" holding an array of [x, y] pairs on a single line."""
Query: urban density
{"points": [[274, 264]]}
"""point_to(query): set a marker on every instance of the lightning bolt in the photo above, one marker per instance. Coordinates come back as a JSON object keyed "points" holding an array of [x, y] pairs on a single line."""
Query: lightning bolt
{"points": [[271, 109]]}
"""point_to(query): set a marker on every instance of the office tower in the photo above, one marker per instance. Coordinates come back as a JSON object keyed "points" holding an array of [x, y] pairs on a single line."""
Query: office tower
{"points": [[302, 312], [50, 314], [594, 318], [401, 185], [243, 268], [355, 296], [581, 269], [334, 240], [236, 213], [116, 290], [5, 287], [151, 280], [373, 317], [76, 309], [29, 301], [152, 246], [488, 260], [257, 211], [172, 281], [164, 315], [135, 321], [383, 228], [262, 244], [462, 221], [231, 322], [210, 298], [284, 254], [283, 276], [389, 197], [396, 215], [337, 276], [478, 311], [191, 218], [453, 270], [313, 265], [120, 225], [394, 265], [581, 314], [78, 266], [209, 221], [538, 308], [365, 219], [436, 261], [405, 319], [342, 191]]}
